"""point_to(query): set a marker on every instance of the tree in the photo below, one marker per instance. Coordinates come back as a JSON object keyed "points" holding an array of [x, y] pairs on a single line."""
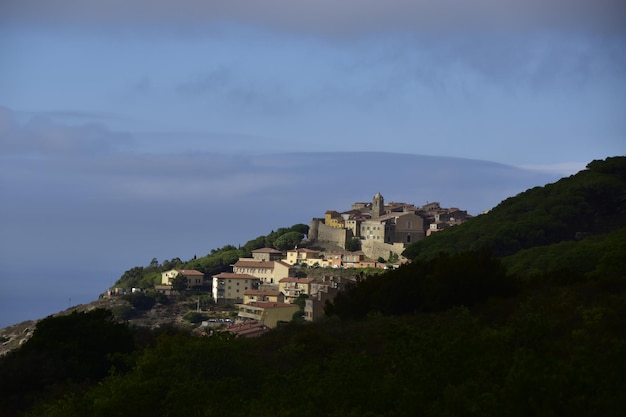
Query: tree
{"points": [[353, 244], [179, 283], [288, 240], [301, 228]]}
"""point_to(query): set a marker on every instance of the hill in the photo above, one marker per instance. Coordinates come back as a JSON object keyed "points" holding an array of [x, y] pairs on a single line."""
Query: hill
{"points": [[592, 202]]}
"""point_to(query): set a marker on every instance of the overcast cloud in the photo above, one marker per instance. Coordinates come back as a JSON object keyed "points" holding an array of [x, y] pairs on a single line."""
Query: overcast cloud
{"points": [[332, 17]]}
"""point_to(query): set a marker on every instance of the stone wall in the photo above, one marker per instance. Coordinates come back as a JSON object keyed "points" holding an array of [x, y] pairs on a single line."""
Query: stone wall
{"points": [[325, 233], [374, 249]]}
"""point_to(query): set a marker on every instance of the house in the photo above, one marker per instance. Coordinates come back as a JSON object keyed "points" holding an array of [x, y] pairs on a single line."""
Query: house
{"points": [[270, 296], [267, 254], [314, 305], [163, 289], [194, 278], [269, 272], [268, 314], [396, 227], [303, 256], [334, 219], [230, 287], [292, 287]]}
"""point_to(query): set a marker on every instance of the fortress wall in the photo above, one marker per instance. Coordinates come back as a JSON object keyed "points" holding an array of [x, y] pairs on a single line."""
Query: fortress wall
{"points": [[374, 249], [331, 234]]}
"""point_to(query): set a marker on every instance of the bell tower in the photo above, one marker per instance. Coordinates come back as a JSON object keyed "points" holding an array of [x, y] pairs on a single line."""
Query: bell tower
{"points": [[378, 205]]}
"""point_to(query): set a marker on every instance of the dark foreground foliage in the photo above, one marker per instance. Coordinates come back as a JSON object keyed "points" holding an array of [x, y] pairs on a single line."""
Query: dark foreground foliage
{"points": [[64, 354], [449, 280], [553, 348]]}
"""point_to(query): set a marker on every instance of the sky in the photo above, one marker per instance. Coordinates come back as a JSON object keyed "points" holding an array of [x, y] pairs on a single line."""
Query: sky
{"points": [[132, 129]]}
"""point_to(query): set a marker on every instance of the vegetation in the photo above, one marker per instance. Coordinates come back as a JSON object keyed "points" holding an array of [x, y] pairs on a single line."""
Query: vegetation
{"points": [[592, 202], [216, 261], [527, 323]]}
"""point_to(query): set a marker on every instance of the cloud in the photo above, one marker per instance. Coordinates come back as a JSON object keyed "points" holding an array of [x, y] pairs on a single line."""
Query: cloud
{"points": [[332, 17], [42, 135]]}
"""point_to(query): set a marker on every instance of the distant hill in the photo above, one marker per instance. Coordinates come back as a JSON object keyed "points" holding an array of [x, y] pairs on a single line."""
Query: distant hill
{"points": [[576, 209]]}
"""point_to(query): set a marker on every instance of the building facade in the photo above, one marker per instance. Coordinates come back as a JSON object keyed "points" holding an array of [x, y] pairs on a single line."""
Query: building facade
{"points": [[229, 287]]}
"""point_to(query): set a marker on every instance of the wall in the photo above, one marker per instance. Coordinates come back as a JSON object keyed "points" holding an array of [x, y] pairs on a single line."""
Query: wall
{"points": [[374, 249], [330, 234]]}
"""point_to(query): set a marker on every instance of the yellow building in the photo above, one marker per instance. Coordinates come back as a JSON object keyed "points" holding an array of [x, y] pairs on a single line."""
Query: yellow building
{"points": [[229, 287], [194, 278], [269, 272], [334, 219], [292, 288], [269, 296], [268, 314], [303, 256]]}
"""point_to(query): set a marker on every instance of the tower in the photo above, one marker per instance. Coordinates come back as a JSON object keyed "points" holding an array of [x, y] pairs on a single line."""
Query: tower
{"points": [[378, 205]]}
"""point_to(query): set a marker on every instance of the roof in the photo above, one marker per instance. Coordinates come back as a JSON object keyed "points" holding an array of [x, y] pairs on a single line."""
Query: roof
{"points": [[306, 250], [266, 250], [267, 305], [254, 263], [187, 272], [248, 329], [231, 275]]}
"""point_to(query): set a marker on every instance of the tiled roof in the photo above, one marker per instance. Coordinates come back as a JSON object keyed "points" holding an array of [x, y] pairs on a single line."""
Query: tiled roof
{"points": [[248, 329], [304, 250], [188, 272], [253, 263], [266, 250]]}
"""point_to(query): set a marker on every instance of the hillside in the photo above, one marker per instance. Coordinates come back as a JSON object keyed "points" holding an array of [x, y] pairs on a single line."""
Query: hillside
{"points": [[527, 323], [592, 202]]}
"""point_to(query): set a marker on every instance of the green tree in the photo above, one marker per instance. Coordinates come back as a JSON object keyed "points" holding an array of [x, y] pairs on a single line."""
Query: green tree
{"points": [[353, 244], [179, 283], [288, 240]]}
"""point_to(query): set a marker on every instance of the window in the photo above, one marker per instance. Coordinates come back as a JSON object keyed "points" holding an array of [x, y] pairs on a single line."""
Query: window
{"points": [[409, 224], [408, 238]]}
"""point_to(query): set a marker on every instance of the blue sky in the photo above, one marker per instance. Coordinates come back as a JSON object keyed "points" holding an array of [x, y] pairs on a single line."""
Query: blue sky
{"points": [[110, 108]]}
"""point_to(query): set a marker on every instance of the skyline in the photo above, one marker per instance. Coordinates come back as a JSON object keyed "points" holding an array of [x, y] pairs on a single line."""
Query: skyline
{"points": [[140, 129]]}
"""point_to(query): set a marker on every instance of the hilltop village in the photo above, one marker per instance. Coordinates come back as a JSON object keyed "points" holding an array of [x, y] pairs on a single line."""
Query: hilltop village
{"points": [[272, 285]]}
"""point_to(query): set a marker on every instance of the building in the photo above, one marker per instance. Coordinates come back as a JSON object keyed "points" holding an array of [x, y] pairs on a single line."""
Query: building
{"points": [[292, 288], [230, 287], [302, 256], [314, 305], [268, 296], [269, 272], [194, 278], [267, 254], [268, 314], [396, 227]]}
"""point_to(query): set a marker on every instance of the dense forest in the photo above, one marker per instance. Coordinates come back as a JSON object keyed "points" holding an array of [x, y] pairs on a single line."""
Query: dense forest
{"points": [[518, 312]]}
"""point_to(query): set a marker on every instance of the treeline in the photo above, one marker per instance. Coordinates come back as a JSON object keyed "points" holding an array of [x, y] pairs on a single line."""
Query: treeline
{"points": [[434, 285], [589, 203], [216, 261]]}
